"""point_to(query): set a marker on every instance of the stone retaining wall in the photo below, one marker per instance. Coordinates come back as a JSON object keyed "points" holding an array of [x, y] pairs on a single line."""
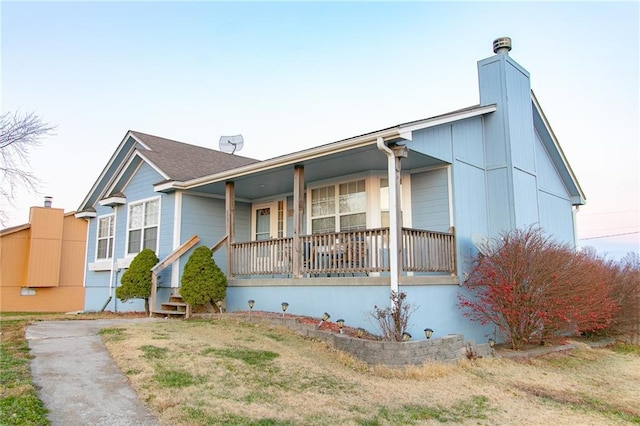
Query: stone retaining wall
{"points": [[448, 348]]}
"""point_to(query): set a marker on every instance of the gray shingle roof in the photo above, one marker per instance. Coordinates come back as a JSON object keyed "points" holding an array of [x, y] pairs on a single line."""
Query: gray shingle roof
{"points": [[182, 161]]}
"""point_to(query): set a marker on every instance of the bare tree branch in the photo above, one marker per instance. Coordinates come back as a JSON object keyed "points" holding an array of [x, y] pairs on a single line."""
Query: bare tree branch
{"points": [[19, 133]]}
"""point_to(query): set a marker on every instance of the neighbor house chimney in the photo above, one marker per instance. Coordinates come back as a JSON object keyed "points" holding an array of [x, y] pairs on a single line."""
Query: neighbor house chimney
{"points": [[48, 201]]}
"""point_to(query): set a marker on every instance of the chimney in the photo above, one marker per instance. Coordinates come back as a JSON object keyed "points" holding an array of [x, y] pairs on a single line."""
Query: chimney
{"points": [[48, 201], [510, 149], [502, 46]]}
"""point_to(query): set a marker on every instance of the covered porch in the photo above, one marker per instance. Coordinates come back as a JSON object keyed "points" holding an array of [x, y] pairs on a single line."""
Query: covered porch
{"points": [[341, 211]]}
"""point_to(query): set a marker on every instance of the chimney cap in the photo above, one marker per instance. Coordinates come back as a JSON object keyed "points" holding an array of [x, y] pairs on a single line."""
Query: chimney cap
{"points": [[48, 201], [502, 45]]}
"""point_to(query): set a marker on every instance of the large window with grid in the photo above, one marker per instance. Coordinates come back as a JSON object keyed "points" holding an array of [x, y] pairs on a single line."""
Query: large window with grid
{"points": [[339, 207], [143, 222], [105, 237]]}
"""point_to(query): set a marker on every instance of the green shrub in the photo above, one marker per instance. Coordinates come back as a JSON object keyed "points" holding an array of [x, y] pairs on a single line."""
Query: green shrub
{"points": [[202, 280], [136, 281]]}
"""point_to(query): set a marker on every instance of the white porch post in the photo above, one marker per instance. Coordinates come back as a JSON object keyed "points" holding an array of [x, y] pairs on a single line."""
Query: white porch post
{"points": [[177, 230], [298, 211], [230, 207], [395, 216]]}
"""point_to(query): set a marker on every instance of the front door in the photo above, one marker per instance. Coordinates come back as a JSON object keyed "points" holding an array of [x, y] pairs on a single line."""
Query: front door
{"points": [[267, 221]]}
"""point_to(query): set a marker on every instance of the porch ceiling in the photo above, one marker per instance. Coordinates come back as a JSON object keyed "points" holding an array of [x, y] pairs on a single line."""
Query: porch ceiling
{"points": [[280, 180]]}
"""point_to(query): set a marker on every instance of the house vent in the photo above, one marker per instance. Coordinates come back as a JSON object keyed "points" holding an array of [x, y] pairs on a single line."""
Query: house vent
{"points": [[502, 45]]}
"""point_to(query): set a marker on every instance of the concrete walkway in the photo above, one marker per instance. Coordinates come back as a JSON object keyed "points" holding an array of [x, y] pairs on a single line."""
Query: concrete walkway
{"points": [[77, 380]]}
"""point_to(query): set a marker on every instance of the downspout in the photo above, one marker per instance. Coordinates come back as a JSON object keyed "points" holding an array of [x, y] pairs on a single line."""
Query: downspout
{"points": [[393, 215], [574, 213], [113, 258]]}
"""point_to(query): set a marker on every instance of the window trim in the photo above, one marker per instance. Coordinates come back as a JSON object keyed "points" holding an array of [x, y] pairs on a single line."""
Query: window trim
{"points": [[336, 184], [128, 231], [112, 216]]}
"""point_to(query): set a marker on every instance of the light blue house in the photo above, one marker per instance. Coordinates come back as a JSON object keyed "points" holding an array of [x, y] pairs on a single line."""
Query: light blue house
{"points": [[335, 228]]}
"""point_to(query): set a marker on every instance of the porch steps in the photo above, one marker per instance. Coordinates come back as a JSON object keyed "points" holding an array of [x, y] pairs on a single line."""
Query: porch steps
{"points": [[175, 307]]}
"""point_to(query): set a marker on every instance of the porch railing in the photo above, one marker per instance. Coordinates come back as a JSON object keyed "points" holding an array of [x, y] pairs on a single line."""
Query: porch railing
{"points": [[428, 251], [353, 252]]}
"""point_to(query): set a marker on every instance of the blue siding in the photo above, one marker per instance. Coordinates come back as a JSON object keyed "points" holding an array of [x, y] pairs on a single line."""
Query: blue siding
{"points": [[526, 199], [433, 141], [430, 200], [437, 306], [500, 205], [140, 187], [548, 177], [243, 222], [491, 75], [555, 211], [204, 217], [468, 144], [520, 118], [471, 211], [167, 213], [556, 217]]}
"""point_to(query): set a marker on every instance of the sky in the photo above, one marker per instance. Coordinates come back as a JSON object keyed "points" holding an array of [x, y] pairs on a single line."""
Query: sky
{"points": [[293, 75]]}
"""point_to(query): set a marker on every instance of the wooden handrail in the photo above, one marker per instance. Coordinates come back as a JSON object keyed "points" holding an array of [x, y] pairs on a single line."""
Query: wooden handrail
{"points": [[219, 244], [175, 255]]}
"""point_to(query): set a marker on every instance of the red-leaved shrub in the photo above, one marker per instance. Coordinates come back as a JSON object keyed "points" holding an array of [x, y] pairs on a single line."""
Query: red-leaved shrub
{"points": [[625, 283], [534, 289]]}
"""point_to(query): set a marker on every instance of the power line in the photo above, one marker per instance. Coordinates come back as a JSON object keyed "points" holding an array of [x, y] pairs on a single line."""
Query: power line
{"points": [[609, 236], [611, 212]]}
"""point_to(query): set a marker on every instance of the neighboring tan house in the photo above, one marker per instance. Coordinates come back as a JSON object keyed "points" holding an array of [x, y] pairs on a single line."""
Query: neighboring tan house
{"points": [[42, 262], [335, 228]]}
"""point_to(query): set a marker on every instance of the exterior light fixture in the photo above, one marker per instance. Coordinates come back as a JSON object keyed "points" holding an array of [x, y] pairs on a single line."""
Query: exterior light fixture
{"points": [[340, 324], [251, 303], [325, 317], [492, 343], [428, 333], [284, 305], [406, 336], [360, 332]]}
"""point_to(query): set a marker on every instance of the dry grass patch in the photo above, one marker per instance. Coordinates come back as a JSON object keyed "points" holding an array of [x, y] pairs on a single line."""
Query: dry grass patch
{"points": [[229, 372]]}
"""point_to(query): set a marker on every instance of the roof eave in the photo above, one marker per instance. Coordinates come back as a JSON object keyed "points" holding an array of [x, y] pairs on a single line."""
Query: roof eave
{"points": [[579, 198], [403, 131], [103, 174]]}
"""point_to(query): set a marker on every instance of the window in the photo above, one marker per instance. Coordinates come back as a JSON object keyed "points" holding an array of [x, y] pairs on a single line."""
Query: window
{"points": [[105, 237], [143, 226], [281, 223], [384, 201], [27, 291], [351, 201]]}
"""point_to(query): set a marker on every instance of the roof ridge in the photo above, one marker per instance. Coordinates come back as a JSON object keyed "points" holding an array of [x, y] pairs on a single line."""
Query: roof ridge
{"points": [[138, 133]]}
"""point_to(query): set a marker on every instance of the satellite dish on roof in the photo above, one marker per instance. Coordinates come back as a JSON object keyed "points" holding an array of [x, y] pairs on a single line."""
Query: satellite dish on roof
{"points": [[231, 144], [483, 243]]}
